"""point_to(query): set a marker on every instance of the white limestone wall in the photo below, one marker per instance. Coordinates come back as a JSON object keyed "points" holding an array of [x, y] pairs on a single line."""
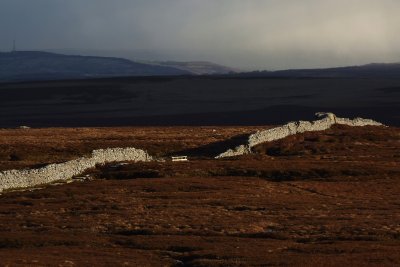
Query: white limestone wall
{"points": [[64, 171], [292, 128]]}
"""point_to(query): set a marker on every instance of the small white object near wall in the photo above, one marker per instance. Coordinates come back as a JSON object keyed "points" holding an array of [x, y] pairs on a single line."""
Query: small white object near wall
{"points": [[179, 158]]}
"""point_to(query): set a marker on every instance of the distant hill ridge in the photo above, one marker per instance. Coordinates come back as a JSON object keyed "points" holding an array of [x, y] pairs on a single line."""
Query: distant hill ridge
{"points": [[35, 65], [373, 70]]}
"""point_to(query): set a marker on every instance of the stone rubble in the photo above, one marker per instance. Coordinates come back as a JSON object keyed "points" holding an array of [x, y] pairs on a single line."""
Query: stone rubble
{"points": [[292, 128], [14, 179]]}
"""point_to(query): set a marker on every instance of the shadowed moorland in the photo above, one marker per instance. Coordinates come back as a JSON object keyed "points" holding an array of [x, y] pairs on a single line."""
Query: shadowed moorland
{"points": [[195, 101]]}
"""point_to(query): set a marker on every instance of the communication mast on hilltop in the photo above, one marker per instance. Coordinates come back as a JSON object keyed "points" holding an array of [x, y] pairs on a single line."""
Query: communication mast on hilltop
{"points": [[14, 49]]}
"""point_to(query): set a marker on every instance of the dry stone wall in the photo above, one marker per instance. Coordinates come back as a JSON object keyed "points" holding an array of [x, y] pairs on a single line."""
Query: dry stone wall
{"points": [[60, 172], [291, 128]]}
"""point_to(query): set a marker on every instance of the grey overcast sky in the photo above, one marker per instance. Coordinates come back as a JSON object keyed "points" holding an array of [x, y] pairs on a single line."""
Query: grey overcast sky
{"points": [[248, 34]]}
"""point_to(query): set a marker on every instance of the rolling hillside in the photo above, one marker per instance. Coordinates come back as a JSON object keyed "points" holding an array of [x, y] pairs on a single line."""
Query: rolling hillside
{"points": [[28, 65], [374, 70]]}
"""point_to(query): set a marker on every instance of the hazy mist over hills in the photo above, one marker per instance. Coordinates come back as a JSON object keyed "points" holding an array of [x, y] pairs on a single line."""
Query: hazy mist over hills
{"points": [[249, 35], [36, 65]]}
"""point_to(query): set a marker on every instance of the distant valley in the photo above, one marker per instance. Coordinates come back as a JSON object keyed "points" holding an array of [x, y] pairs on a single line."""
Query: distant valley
{"points": [[198, 67]]}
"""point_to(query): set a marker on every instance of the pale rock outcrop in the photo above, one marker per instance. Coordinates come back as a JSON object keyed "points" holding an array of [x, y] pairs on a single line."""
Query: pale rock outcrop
{"points": [[292, 128], [13, 179]]}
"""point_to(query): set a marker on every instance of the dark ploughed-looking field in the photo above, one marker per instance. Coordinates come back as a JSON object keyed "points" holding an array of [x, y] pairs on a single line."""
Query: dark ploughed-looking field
{"points": [[316, 199], [194, 100]]}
